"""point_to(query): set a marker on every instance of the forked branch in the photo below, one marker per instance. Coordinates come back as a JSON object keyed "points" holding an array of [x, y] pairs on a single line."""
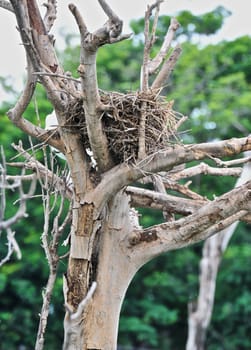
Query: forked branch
{"points": [[124, 174], [209, 219]]}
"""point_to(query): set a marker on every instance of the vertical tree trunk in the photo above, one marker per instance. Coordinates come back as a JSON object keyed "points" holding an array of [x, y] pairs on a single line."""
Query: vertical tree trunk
{"points": [[113, 270], [201, 311]]}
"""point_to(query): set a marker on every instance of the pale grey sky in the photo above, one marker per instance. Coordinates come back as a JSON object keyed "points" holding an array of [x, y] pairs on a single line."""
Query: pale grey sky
{"points": [[12, 59]]}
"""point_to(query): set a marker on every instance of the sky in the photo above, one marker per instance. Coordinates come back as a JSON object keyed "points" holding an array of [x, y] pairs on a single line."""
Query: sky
{"points": [[12, 58]]}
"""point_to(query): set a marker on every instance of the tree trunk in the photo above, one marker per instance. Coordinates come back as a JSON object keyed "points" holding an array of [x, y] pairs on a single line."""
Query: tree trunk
{"points": [[113, 270]]}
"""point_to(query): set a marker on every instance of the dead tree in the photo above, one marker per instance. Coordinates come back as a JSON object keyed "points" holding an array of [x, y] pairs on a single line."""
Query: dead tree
{"points": [[132, 138]]}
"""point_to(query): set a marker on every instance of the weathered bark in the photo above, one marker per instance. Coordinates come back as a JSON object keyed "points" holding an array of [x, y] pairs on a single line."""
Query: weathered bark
{"points": [[112, 268]]}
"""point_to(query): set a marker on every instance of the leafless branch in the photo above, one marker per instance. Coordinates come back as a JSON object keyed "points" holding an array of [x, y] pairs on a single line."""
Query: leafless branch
{"points": [[73, 319], [205, 169], [56, 182], [166, 69], [159, 186], [183, 189], [7, 224], [124, 174], [151, 199], [50, 242], [228, 163], [92, 103], [6, 5], [155, 63], [51, 14], [206, 221], [149, 41]]}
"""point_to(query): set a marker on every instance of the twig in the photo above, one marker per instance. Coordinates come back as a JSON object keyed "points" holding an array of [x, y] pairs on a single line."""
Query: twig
{"points": [[166, 45], [167, 69], [6, 5], [50, 241], [50, 15], [73, 319], [56, 75], [149, 41], [158, 200], [84, 302], [228, 163], [204, 168], [6, 225], [43, 172]]}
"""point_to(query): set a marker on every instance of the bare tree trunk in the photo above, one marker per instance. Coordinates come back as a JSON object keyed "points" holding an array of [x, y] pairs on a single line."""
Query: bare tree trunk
{"points": [[112, 269], [200, 312]]}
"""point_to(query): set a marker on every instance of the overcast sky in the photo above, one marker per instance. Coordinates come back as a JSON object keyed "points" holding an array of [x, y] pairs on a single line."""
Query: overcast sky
{"points": [[12, 59]]}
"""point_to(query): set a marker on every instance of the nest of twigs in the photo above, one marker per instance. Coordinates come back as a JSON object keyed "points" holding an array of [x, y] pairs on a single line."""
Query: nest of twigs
{"points": [[121, 123]]}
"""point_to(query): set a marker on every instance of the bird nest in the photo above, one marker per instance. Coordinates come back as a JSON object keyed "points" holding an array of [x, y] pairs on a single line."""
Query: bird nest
{"points": [[122, 121]]}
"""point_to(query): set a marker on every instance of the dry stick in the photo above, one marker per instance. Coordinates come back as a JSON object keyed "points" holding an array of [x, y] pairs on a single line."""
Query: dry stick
{"points": [[228, 163], [50, 246], [43, 172], [22, 207], [21, 212], [166, 45], [183, 189], [50, 15], [159, 187], [204, 168], [141, 197], [72, 319], [39, 48], [6, 5], [166, 69], [149, 41], [16, 114]]}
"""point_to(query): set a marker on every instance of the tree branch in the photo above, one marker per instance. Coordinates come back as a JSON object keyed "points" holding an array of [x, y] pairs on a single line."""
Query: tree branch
{"points": [[154, 64], [206, 221], [50, 15], [6, 5], [72, 334], [92, 103], [6, 224], [149, 41], [124, 174], [151, 199], [166, 69], [43, 172], [205, 169]]}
